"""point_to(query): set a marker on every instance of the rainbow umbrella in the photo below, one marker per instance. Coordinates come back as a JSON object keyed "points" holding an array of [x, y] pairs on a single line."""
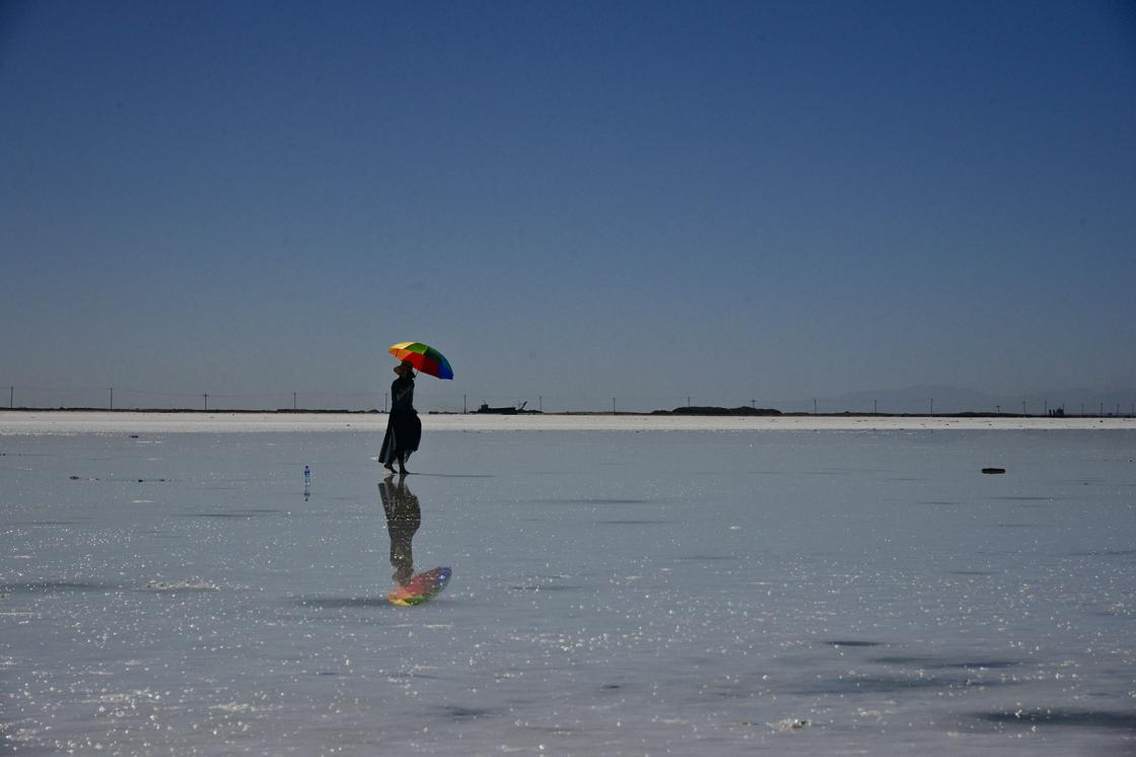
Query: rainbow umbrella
{"points": [[422, 587], [423, 357]]}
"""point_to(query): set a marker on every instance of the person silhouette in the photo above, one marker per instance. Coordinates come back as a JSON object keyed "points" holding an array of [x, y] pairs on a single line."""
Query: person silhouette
{"points": [[404, 429], [403, 519]]}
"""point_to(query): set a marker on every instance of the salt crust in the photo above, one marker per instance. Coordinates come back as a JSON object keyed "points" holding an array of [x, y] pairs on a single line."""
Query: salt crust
{"points": [[38, 422]]}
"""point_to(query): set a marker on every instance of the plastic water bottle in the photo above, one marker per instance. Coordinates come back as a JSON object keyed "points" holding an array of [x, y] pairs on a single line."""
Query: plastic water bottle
{"points": [[307, 478]]}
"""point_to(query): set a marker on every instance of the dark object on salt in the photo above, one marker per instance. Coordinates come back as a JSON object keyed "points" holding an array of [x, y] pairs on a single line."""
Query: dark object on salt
{"points": [[993, 470]]}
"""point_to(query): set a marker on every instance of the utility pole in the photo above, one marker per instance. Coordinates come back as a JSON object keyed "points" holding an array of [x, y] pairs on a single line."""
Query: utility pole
{"points": [[540, 402], [11, 397], [997, 410], [293, 400], [1023, 407], [463, 405], [111, 390], [875, 407], [688, 400], [753, 404], [932, 406], [814, 406], [613, 405], [205, 396]]}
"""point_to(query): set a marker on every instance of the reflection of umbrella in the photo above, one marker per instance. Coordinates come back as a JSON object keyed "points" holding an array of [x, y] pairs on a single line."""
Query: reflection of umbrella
{"points": [[420, 588], [423, 357]]}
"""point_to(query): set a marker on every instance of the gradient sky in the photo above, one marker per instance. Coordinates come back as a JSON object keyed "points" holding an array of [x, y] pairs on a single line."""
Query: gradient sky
{"points": [[646, 200]]}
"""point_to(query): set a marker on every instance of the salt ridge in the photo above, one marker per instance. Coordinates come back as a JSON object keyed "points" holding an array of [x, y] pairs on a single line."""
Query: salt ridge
{"points": [[83, 422]]}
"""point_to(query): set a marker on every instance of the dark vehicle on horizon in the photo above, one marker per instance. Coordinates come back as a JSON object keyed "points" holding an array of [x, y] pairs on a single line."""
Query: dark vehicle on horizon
{"points": [[513, 410]]}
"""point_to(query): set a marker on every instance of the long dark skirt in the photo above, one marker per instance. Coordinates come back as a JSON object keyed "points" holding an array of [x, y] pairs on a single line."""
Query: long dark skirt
{"points": [[404, 432]]}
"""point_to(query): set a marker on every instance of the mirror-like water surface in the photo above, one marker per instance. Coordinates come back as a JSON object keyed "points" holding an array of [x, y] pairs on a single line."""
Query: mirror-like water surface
{"points": [[612, 592]]}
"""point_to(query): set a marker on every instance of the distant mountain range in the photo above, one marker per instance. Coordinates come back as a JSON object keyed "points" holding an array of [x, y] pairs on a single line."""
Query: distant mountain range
{"points": [[950, 399]]}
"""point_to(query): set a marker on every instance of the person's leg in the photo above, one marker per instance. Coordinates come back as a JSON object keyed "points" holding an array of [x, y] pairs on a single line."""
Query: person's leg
{"points": [[402, 464]]}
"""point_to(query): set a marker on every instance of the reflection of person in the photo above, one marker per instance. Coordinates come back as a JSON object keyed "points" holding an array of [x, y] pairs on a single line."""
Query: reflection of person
{"points": [[403, 519], [404, 430]]}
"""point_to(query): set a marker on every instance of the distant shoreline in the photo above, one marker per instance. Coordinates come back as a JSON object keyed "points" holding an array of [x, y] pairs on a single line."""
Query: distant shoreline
{"points": [[696, 412], [28, 422]]}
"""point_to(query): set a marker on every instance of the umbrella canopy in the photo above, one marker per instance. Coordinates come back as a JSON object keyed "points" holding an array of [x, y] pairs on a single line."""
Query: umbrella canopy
{"points": [[422, 587], [423, 357]]}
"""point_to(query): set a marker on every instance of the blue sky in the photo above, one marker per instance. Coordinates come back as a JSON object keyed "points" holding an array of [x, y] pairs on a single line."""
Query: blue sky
{"points": [[734, 201]]}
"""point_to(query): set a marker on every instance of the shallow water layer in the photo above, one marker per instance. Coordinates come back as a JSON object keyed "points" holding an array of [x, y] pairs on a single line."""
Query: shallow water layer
{"points": [[612, 592]]}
